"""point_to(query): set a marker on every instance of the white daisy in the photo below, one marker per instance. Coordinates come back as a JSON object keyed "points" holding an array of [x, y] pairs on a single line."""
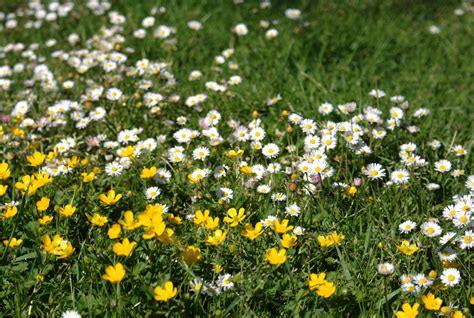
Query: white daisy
{"points": [[241, 29], [407, 226], [113, 94], [443, 166], [374, 171], [385, 269], [400, 176], [447, 254], [422, 281], [312, 142], [326, 108], [113, 169], [308, 126], [152, 193], [225, 194], [467, 240], [377, 93], [451, 277], [293, 14], [271, 150], [461, 219], [162, 176], [470, 183], [200, 153], [447, 238], [298, 230], [257, 134], [292, 210], [278, 197], [70, 314], [431, 229], [263, 188], [225, 281]]}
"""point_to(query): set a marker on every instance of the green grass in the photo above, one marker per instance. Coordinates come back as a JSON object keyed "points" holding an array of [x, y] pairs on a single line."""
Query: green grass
{"points": [[337, 53]]}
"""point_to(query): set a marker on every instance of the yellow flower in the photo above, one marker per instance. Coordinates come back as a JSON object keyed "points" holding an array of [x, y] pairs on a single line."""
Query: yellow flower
{"points": [[129, 151], [217, 268], [433, 274], [408, 249], [114, 231], [24, 183], [36, 159], [408, 311], [114, 274], [166, 237], [10, 211], [281, 227], [58, 246], [18, 132], [14, 242], [39, 278], [148, 173], [73, 162], [4, 171], [218, 238], [67, 211], [251, 232], [110, 199], [87, 177], [200, 217], [3, 190], [37, 181], [316, 280], [350, 191], [288, 240], [330, 239], [97, 219], [52, 154], [234, 154], [431, 302], [129, 221], [125, 248], [458, 314], [176, 220], [191, 254], [212, 223], [152, 220], [246, 169], [165, 293], [234, 218], [275, 257], [326, 290], [45, 220], [42, 204]]}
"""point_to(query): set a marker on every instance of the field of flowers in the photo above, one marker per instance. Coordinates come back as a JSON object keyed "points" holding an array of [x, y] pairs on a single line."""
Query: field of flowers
{"points": [[236, 158]]}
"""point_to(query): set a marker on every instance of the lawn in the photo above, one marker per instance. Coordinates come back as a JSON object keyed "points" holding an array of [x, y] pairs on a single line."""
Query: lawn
{"points": [[236, 158]]}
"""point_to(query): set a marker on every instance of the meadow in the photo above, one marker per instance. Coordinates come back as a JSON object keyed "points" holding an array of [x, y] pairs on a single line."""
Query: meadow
{"points": [[236, 158]]}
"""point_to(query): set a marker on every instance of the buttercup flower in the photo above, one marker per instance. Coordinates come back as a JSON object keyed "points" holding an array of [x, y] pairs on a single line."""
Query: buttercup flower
{"points": [[110, 199], [114, 273], [275, 257], [166, 292]]}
